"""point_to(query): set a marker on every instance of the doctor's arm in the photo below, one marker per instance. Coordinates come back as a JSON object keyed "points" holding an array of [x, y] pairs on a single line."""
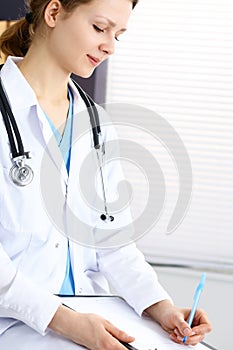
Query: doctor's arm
{"points": [[21, 299], [174, 321], [90, 330]]}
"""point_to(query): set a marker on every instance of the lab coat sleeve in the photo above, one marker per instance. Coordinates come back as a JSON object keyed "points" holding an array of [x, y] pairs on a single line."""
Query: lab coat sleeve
{"points": [[23, 300], [132, 277]]}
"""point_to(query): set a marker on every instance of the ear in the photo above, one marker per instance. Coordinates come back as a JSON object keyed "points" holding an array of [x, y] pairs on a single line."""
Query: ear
{"points": [[52, 12]]}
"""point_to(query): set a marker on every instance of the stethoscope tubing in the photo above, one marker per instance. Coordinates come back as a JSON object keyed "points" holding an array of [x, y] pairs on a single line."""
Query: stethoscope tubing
{"points": [[100, 150], [17, 151], [11, 126], [94, 117]]}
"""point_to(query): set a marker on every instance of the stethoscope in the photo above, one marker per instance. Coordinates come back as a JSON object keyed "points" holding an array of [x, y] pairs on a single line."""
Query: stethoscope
{"points": [[22, 174]]}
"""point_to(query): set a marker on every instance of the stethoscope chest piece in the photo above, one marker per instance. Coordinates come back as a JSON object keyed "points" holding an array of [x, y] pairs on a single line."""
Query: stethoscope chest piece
{"points": [[21, 174]]}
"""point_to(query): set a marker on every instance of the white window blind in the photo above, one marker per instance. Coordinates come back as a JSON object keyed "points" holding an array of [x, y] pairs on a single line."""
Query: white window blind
{"points": [[177, 60]]}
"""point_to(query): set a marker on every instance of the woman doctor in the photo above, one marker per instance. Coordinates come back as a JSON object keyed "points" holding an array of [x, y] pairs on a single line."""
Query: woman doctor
{"points": [[36, 260]]}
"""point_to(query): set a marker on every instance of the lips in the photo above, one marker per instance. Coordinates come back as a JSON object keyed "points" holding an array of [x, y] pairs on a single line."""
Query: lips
{"points": [[94, 61]]}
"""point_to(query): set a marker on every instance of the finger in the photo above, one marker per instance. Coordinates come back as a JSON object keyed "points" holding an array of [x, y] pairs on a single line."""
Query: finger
{"points": [[195, 339], [182, 327], [118, 333], [176, 335], [192, 340], [201, 320], [177, 332], [109, 342], [175, 338], [117, 343], [202, 329]]}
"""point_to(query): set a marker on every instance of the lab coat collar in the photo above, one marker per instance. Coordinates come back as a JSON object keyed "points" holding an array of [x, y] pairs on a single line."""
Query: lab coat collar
{"points": [[19, 92], [79, 104]]}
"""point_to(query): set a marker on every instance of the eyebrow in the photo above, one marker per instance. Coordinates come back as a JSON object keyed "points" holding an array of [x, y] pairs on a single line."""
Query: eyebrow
{"points": [[112, 24]]}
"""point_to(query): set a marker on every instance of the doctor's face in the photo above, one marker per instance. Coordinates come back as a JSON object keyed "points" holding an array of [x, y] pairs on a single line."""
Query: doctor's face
{"points": [[83, 39]]}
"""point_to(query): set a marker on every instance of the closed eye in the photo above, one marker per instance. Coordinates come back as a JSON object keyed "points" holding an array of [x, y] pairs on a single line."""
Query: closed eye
{"points": [[98, 29]]}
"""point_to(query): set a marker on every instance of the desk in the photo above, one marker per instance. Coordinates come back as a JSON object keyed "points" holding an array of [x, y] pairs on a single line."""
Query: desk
{"points": [[148, 334]]}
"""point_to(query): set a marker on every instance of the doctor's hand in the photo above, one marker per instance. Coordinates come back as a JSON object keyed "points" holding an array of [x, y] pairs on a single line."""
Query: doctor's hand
{"points": [[173, 320], [89, 330]]}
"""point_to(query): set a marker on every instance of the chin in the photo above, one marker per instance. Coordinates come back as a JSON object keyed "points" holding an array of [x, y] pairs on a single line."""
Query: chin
{"points": [[84, 74]]}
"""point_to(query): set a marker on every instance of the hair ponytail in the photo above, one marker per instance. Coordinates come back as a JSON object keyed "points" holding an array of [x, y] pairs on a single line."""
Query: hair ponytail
{"points": [[16, 39]]}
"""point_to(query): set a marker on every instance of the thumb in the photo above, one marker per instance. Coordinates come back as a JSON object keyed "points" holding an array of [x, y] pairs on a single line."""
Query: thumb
{"points": [[183, 327]]}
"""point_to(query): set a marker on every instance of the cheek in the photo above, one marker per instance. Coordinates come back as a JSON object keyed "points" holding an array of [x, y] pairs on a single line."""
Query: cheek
{"points": [[74, 45], [81, 37], [66, 46]]}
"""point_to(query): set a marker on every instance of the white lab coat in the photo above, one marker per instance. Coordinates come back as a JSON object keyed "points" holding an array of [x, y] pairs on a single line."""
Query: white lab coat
{"points": [[33, 251]]}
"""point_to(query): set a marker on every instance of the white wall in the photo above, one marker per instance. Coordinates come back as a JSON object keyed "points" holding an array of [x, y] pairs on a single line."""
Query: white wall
{"points": [[216, 299]]}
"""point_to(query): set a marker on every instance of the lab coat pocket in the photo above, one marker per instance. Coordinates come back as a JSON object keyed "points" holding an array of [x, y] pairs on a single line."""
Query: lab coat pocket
{"points": [[22, 208]]}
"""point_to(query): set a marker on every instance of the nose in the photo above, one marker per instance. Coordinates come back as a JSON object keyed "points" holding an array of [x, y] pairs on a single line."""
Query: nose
{"points": [[108, 47]]}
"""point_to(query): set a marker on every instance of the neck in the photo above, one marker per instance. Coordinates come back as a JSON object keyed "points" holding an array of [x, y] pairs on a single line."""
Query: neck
{"points": [[45, 76]]}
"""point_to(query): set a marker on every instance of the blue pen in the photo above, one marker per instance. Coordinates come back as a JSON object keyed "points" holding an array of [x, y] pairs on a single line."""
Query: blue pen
{"points": [[196, 300]]}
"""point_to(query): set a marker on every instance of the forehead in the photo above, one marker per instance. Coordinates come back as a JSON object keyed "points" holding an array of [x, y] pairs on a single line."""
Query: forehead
{"points": [[116, 11]]}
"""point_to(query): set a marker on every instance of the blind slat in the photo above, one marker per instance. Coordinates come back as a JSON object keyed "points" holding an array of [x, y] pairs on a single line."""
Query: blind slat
{"points": [[177, 60]]}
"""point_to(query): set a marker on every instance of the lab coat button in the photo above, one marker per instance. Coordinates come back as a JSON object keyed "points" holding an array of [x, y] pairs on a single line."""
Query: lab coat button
{"points": [[56, 245], [80, 290]]}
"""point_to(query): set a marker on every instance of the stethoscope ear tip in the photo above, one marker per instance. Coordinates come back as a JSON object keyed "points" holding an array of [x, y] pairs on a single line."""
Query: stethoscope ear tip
{"points": [[106, 218]]}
